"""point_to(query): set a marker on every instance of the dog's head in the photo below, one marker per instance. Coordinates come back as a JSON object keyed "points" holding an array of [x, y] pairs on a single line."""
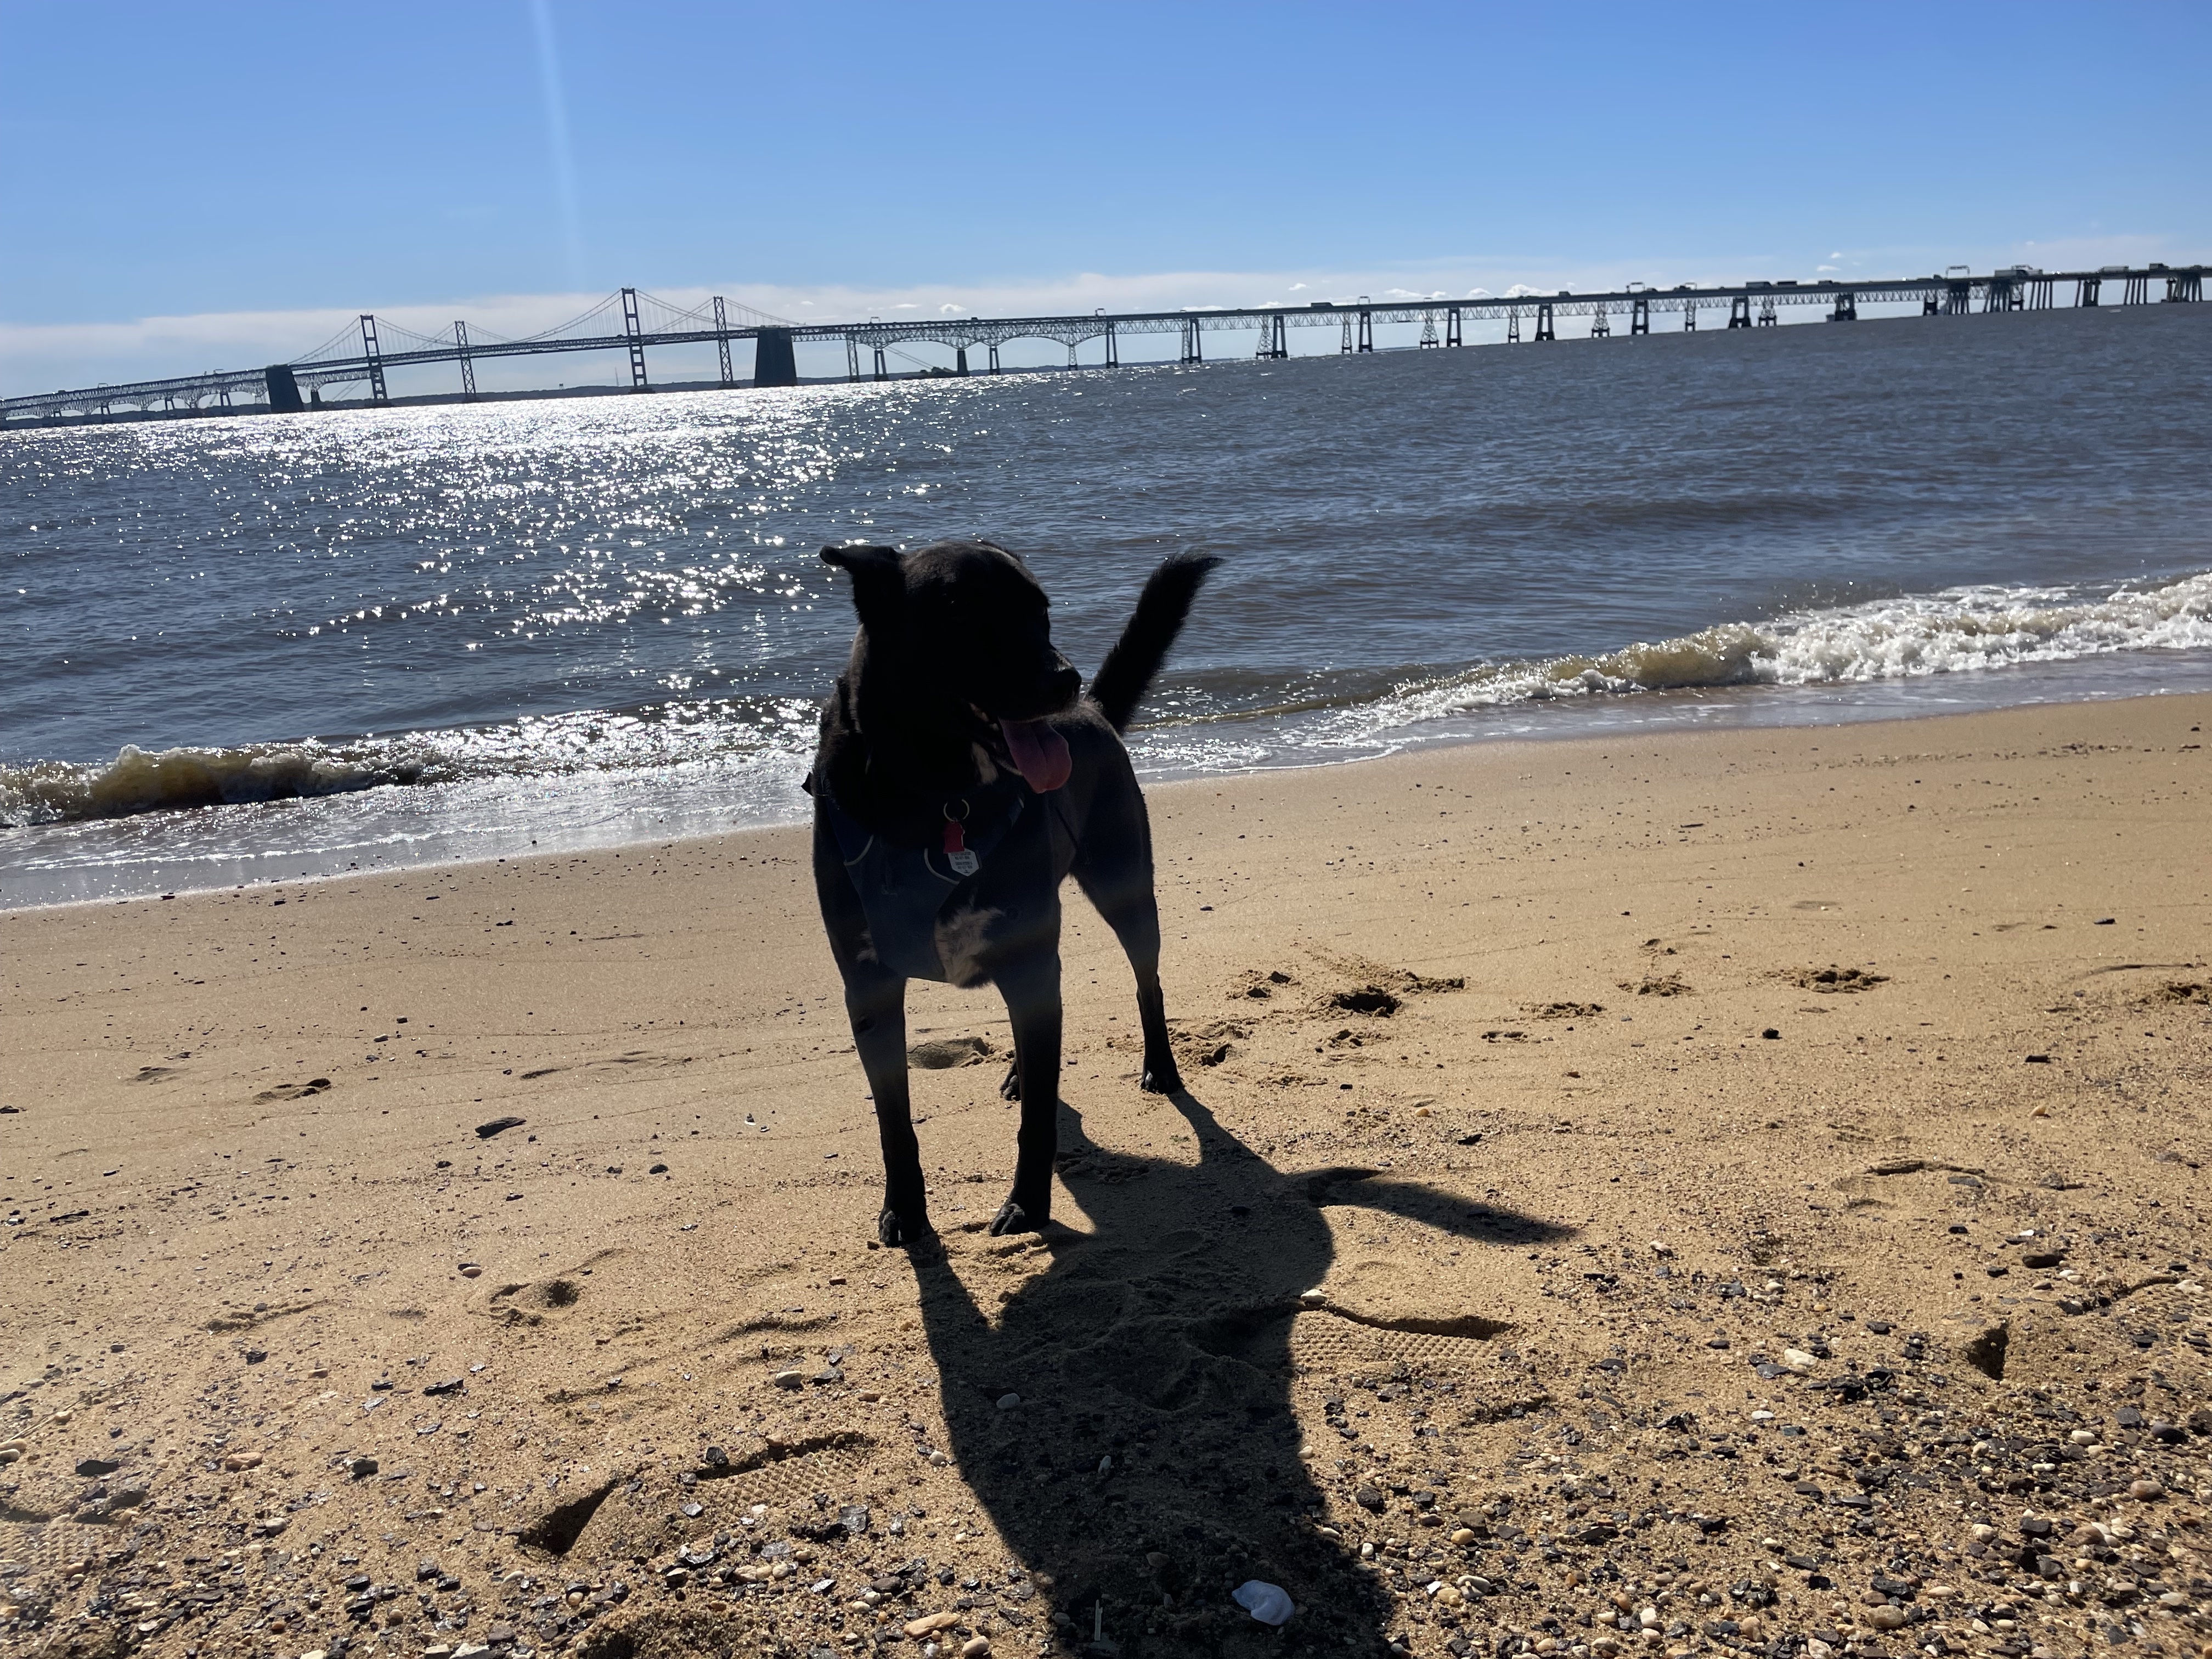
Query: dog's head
{"points": [[956, 644]]}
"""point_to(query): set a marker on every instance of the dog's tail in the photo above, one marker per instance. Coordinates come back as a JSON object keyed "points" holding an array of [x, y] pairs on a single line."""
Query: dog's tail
{"points": [[1128, 669]]}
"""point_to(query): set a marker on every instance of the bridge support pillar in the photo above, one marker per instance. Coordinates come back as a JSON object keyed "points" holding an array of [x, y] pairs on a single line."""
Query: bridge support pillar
{"points": [[994, 356], [1600, 324], [1847, 307], [722, 343], [1346, 347], [960, 360], [1689, 316], [1072, 361], [1366, 329], [2000, 295], [1958, 299], [1513, 326], [1544, 331], [1193, 348], [1740, 311], [1429, 332], [468, 364], [369, 350], [774, 362], [1113, 348], [882, 369], [1768, 317], [2137, 292], [1454, 335], [2087, 290], [284, 390], [2038, 293], [1639, 316], [2185, 287], [636, 334]]}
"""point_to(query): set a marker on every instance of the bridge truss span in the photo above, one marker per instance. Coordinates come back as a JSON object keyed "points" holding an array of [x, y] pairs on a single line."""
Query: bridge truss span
{"points": [[630, 322]]}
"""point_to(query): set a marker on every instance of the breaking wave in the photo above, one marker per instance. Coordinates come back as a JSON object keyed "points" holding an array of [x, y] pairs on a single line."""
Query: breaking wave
{"points": [[657, 736], [1959, 630]]}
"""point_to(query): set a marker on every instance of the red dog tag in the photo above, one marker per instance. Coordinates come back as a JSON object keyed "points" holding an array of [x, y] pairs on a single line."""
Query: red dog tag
{"points": [[956, 849]]}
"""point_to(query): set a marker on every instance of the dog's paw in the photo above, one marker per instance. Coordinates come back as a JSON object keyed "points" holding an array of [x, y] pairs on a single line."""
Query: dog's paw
{"points": [[1013, 1218], [1010, 1087], [895, 1232], [1161, 1080]]}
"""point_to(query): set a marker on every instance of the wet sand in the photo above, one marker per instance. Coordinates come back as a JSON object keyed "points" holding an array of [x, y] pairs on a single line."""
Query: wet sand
{"points": [[1713, 1192]]}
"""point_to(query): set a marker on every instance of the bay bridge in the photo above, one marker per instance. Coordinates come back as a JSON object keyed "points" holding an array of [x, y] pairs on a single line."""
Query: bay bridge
{"points": [[629, 323]]}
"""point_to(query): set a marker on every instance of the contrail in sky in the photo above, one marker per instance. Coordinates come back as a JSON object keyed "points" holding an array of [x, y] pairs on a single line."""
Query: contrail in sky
{"points": [[556, 137]]}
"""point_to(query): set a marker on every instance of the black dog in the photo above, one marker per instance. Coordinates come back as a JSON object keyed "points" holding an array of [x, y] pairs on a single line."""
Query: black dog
{"points": [[961, 778]]}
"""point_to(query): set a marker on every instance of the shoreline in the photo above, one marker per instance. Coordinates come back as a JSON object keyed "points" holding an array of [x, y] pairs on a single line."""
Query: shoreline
{"points": [[1621, 717], [1703, 1171]]}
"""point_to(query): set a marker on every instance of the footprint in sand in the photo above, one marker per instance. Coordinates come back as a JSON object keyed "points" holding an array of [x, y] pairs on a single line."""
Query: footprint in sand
{"points": [[1832, 980], [1658, 985], [944, 1053], [313, 1086]]}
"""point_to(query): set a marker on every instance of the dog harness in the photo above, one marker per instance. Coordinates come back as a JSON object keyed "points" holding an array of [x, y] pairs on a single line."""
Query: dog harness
{"points": [[903, 890]]}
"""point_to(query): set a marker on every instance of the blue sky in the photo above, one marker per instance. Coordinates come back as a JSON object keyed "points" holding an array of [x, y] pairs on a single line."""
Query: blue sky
{"points": [[245, 172]]}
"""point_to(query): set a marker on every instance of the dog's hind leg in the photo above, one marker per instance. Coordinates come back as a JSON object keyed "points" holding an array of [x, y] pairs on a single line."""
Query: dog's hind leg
{"points": [[1114, 872], [1031, 987], [1136, 923]]}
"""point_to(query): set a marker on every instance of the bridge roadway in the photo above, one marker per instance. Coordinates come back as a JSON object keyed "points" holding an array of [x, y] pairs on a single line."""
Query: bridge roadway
{"points": [[285, 387]]}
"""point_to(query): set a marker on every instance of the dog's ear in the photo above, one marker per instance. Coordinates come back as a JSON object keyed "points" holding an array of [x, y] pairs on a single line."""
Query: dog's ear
{"points": [[879, 583]]}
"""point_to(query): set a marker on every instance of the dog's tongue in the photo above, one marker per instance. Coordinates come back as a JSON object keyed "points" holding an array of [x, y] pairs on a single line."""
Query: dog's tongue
{"points": [[1039, 751]]}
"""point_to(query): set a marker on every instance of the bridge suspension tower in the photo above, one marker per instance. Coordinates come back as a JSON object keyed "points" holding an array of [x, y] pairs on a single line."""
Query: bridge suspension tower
{"points": [[635, 335], [368, 350]]}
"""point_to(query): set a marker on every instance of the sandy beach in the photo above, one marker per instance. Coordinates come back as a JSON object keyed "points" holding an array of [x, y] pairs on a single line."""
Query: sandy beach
{"points": [[1696, 1193]]}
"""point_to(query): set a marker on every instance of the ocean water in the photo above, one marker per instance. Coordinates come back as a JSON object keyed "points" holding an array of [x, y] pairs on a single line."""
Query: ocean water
{"points": [[272, 647]]}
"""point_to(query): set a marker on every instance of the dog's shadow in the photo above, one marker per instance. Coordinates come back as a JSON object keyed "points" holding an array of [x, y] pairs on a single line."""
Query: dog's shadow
{"points": [[1162, 1342]]}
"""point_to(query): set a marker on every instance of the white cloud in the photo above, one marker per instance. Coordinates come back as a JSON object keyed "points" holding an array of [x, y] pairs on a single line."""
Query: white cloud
{"points": [[948, 309], [1478, 294], [1818, 269], [1522, 291], [1296, 287]]}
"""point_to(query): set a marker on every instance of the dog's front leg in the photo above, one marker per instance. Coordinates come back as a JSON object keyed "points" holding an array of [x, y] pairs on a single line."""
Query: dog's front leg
{"points": [[1031, 987], [876, 1004]]}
